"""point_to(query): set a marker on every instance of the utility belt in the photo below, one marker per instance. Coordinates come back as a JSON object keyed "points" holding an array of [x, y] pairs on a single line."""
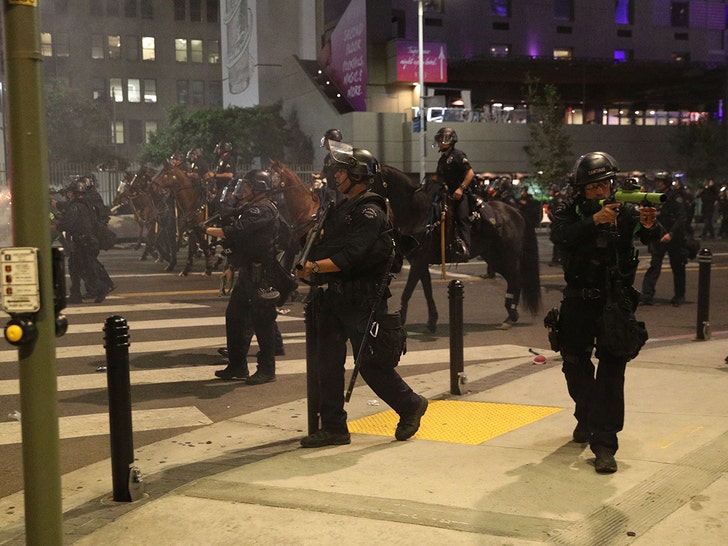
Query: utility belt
{"points": [[362, 288], [588, 294]]}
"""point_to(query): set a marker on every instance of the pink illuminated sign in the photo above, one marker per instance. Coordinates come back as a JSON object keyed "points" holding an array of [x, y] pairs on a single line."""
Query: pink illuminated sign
{"points": [[408, 62], [349, 54]]}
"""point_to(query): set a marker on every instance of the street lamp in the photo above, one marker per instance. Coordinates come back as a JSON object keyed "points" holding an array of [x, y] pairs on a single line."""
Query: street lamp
{"points": [[423, 117]]}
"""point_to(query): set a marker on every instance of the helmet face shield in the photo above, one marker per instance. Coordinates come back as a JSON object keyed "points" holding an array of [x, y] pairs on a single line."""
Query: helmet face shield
{"points": [[342, 154]]}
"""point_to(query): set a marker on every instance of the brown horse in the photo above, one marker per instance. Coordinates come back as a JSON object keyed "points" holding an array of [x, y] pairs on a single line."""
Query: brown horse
{"points": [[134, 191], [297, 206], [191, 206]]}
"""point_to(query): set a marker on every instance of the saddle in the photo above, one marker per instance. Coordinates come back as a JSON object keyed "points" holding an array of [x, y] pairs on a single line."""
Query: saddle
{"points": [[482, 215]]}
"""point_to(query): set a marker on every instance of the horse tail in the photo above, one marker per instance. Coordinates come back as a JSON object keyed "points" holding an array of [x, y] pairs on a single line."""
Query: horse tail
{"points": [[530, 274]]}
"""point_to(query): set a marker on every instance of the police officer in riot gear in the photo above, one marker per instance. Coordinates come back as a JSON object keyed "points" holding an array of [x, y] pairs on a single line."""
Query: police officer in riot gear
{"points": [[79, 222], [223, 172], [198, 167], [673, 217], [598, 258], [353, 259], [252, 307], [456, 173]]}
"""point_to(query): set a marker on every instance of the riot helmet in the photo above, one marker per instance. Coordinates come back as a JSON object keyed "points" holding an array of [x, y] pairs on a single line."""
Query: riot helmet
{"points": [[331, 134], [78, 186], [594, 167], [664, 178], [177, 156], [259, 180], [194, 153], [222, 147], [358, 162], [445, 135]]}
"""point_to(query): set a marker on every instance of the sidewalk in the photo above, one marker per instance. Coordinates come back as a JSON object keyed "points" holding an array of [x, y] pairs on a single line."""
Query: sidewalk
{"points": [[247, 481]]}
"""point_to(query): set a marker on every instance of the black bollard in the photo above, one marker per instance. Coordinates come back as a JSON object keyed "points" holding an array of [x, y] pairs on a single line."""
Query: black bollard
{"points": [[116, 343], [455, 295], [312, 371], [702, 330]]}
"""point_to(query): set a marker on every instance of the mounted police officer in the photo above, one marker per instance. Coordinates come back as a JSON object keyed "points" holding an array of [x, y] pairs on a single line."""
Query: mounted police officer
{"points": [[223, 173], [251, 240], [198, 167], [599, 263], [354, 258], [673, 217], [456, 173]]}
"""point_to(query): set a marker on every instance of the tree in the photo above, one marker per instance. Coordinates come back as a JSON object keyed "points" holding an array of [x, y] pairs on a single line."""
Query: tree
{"points": [[700, 150], [258, 131], [78, 128], [550, 149]]}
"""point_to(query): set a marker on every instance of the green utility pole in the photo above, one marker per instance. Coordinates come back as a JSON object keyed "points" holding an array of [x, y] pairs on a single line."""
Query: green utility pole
{"points": [[28, 172]]}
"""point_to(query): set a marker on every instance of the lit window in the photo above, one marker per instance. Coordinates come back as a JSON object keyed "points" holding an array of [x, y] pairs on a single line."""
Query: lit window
{"points": [[150, 127], [622, 55], [97, 46], [624, 12], [196, 51], [150, 91], [563, 53], [148, 53], [180, 50], [98, 89], [116, 92], [46, 44], [500, 8], [133, 90], [114, 47], [117, 132], [213, 51]]}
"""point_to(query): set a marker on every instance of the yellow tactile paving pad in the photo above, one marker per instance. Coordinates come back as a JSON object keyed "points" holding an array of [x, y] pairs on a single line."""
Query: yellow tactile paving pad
{"points": [[458, 421]]}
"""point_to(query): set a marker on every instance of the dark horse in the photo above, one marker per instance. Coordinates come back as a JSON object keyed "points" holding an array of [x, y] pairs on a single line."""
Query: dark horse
{"points": [[148, 208], [297, 206], [509, 245], [191, 206]]}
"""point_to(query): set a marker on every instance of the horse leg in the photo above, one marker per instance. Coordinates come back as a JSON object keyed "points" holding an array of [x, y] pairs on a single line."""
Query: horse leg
{"points": [[512, 298], [210, 260], [431, 307], [191, 250]]}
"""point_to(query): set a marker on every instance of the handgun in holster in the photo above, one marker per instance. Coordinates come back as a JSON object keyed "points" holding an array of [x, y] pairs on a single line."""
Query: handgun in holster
{"points": [[551, 323]]}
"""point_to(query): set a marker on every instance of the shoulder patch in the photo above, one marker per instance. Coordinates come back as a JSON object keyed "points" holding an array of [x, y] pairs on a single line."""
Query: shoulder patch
{"points": [[369, 212]]}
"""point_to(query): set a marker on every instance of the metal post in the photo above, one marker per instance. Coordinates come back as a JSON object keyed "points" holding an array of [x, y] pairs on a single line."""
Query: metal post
{"points": [[28, 175], [702, 330], [116, 340], [312, 371], [455, 295], [421, 79]]}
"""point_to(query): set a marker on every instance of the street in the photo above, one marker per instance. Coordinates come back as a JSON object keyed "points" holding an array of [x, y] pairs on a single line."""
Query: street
{"points": [[177, 323]]}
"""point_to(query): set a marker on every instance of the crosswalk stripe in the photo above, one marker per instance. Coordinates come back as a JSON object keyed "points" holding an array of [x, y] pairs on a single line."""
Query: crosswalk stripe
{"points": [[137, 325], [283, 367], [96, 424], [111, 309]]}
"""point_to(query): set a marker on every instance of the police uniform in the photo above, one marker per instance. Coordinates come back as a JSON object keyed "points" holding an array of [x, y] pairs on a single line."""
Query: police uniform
{"points": [[589, 253], [79, 222], [673, 218], [251, 240], [452, 167], [355, 237]]}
